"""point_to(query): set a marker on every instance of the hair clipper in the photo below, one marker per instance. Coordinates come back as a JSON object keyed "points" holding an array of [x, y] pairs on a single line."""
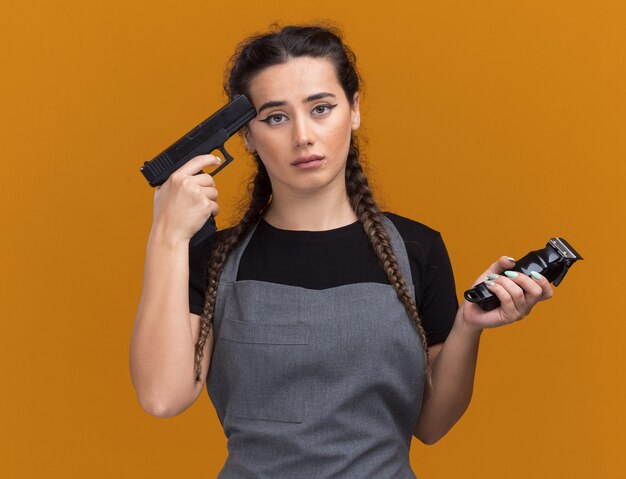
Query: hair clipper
{"points": [[553, 262]]}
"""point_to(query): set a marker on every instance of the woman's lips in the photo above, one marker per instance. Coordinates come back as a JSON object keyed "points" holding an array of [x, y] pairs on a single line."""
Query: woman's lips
{"points": [[308, 161]]}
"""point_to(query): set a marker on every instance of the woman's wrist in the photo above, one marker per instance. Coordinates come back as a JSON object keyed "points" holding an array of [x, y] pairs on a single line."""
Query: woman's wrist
{"points": [[163, 238], [462, 326]]}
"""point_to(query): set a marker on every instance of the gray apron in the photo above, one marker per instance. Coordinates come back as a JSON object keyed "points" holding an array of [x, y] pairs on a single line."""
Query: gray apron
{"points": [[315, 383]]}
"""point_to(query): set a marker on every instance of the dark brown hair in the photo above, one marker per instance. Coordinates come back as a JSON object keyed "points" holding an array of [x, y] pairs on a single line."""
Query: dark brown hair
{"points": [[251, 57]]}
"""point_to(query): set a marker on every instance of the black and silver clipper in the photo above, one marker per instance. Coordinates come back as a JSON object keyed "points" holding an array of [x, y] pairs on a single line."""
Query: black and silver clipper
{"points": [[553, 262]]}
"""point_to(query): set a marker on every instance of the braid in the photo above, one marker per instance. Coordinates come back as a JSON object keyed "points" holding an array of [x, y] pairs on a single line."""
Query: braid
{"points": [[370, 217], [260, 197]]}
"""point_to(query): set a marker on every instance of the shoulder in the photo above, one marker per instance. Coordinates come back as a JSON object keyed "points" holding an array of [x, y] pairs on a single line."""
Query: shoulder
{"points": [[418, 237], [433, 278], [411, 227]]}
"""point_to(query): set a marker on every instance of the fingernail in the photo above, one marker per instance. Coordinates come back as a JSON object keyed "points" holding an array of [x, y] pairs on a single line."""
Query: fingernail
{"points": [[219, 160], [536, 275], [492, 276], [489, 283], [511, 274], [510, 259]]}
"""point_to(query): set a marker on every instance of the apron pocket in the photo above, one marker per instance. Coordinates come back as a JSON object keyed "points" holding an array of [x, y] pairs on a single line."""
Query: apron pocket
{"points": [[264, 364]]}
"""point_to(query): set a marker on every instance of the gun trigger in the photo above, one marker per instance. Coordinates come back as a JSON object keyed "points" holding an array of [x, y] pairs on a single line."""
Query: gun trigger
{"points": [[227, 160], [227, 157]]}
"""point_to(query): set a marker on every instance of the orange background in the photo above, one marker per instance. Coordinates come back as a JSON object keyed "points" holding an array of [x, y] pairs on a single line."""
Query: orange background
{"points": [[500, 124]]}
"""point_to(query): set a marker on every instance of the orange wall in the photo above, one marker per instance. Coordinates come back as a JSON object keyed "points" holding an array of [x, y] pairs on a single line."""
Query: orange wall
{"points": [[500, 124]]}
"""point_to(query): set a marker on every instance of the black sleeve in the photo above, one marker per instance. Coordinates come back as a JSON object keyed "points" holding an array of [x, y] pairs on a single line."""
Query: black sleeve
{"points": [[439, 301], [435, 292], [198, 262], [198, 257]]}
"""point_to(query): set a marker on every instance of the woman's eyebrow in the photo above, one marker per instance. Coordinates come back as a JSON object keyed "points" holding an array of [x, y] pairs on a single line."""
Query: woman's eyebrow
{"points": [[318, 96], [271, 104], [310, 98]]}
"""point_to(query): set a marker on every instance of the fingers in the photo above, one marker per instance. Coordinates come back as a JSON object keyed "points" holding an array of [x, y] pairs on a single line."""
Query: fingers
{"points": [[203, 180], [546, 288], [190, 176], [518, 293], [183, 203], [196, 164], [508, 310], [214, 208]]}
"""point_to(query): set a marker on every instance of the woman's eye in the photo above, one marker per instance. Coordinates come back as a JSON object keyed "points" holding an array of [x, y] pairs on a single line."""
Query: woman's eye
{"points": [[321, 109], [274, 119]]}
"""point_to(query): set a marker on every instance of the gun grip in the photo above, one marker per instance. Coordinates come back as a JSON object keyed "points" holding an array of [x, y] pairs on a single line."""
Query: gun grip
{"points": [[203, 233]]}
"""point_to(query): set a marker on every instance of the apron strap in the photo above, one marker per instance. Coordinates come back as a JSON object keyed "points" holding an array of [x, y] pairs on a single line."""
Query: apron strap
{"points": [[231, 267]]}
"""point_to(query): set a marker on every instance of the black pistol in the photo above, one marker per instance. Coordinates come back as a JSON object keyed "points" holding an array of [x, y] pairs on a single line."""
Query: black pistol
{"points": [[553, 262], [208, 136]]}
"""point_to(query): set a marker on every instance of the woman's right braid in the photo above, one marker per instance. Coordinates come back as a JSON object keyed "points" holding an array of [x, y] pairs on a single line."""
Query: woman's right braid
{"points": [[369, 215], [260, 197]]}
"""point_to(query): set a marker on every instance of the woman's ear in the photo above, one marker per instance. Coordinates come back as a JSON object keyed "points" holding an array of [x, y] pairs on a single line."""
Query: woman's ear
{"points": [[356, 112], [247, 140]]}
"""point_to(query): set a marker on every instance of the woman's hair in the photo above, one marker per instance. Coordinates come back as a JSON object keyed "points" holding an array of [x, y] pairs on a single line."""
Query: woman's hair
{"points": [[251, 57]]}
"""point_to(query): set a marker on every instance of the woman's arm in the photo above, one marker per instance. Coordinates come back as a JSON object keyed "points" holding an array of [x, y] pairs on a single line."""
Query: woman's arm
{"points": [[162, 347], [163, 341], [453, 363]]}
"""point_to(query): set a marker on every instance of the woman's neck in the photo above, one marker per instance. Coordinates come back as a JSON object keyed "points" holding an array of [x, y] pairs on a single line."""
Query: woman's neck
{"points": [[319, 211]]}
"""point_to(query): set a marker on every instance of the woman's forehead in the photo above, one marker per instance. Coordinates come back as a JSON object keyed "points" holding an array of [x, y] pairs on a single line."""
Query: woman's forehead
{"points": [[294, 80]]}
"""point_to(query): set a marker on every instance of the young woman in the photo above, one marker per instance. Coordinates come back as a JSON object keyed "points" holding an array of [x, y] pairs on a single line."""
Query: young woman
{"points": [[332, 330]]}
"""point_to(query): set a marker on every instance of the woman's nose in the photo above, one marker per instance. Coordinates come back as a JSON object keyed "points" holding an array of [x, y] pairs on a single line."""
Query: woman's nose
{"points": [[302, 134]]}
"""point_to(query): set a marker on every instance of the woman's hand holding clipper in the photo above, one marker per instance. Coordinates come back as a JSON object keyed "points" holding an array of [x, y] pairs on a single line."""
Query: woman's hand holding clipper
{"points": [[517, 293]]}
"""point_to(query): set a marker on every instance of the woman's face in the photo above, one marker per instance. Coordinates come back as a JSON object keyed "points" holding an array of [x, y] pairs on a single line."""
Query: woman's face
{"points": [[303, 125]]}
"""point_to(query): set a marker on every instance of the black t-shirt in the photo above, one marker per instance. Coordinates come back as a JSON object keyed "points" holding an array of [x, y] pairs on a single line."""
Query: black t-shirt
{"points": [[326, 259]]}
